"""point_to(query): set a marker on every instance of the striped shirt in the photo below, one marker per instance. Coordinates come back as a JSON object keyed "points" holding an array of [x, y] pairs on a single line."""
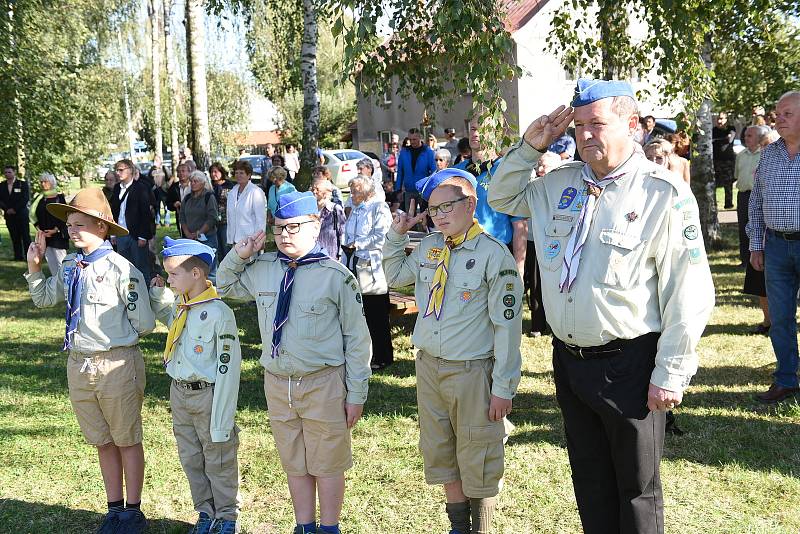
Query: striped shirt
{"points": [[775, 200]]}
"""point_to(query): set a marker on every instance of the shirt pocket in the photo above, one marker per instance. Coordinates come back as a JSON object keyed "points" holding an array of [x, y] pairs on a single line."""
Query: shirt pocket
{"points": [[621, 253], [467, 288], [201, 343], [266, 311], [101, 311], [312, 317], [556, 237], [426, 275]]}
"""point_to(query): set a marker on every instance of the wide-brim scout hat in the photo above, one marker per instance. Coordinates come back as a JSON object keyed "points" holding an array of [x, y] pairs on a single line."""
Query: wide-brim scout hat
{"points": [[92, 202]]}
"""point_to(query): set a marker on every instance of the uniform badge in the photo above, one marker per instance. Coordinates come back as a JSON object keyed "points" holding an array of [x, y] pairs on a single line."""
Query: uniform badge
{"points": [[226, 347], [131, 306], [203, 315], [552, 249], [632, 216], [695, 256], [509, 300], [565, 218], [98, 279], [470, 264], [690, 232], [509, 287], [578, 206], [133, 296], [466, 296], [434, 253], [198, 349], [131, 286], [567, 196], [223, 369], [508, 314], [358, 298], [224, 357]]}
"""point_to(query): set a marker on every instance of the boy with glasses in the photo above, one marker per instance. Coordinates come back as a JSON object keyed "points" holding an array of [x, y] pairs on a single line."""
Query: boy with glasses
{"points": [[468, 363], [316, 354]]}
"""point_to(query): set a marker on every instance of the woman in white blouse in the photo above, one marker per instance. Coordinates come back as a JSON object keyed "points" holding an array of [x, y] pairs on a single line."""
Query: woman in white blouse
{"points": [[246, 206], [364, 235]]}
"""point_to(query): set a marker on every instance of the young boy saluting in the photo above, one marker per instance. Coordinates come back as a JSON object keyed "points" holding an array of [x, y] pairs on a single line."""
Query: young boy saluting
{"points": [[203, 357], [316, 354], [468, 363], [105, 369]]}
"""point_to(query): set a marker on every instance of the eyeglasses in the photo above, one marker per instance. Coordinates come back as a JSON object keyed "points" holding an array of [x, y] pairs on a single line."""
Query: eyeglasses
{"points": [[440, 159], [291, 228], [444, 207], [121, 169]]}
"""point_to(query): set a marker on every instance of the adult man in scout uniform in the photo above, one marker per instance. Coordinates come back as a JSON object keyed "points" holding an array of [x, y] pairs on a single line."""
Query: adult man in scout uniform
{"points": [[316, 354], [468, 364], [628, 292], [203, 358], [106, 314]]}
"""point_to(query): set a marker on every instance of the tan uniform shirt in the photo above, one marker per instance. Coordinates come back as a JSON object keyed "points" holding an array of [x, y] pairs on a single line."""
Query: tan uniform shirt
{"points": [[326, 325], [643, 267], [481, 314], [115, 309], [208, 349]]}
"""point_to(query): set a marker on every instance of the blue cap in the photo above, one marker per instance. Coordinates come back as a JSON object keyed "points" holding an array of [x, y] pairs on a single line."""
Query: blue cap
{"points": [[588, 91], [187, 247], [295, 204], [427, 185]]}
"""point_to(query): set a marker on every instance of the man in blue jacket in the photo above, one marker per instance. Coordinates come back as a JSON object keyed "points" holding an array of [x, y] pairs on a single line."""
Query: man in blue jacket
{"points": [[413, 164]]}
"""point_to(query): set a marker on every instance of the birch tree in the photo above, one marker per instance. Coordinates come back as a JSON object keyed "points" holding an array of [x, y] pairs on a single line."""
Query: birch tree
{"points": [[172, 77], [154, 12], [308, 70], [198, 93]]}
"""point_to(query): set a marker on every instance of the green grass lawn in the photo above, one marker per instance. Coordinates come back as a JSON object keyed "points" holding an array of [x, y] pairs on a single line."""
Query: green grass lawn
{"points": [[735, 470]]}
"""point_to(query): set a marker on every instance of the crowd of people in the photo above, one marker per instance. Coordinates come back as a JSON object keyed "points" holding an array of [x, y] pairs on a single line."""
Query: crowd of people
{"points": [[597, 223]]}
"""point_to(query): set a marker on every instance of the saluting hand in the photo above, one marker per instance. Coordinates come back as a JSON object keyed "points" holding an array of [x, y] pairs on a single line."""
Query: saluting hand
{"points": [[403, 222], [251, 244], [36, 252], [547, 128]]}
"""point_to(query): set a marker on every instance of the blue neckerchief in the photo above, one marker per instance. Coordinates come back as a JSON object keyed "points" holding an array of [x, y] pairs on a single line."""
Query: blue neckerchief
{"points": [[285, 296], [75, 288]]}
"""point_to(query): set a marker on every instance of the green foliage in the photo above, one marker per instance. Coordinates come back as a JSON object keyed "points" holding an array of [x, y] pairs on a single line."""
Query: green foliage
{"points": [[69, 104], [438, 52], [228, 110], [337, 111]]}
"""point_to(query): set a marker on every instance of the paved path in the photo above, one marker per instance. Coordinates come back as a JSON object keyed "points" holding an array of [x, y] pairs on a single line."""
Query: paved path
{"points": [[727, 217]]}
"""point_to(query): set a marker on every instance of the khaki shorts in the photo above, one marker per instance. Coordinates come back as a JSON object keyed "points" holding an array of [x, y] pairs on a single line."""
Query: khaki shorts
{"points": [[456, 438], [311, 431], [106, 390]]}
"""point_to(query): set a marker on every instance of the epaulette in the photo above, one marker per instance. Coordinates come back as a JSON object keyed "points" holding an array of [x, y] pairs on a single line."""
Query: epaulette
{"points": [[496, 241], [571, 165], [666, 175], [335, 265], [268, 256]]}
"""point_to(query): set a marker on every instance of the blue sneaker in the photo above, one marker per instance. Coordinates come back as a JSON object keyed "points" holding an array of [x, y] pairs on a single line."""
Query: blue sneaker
{"points": [[225, 526], [131, 521], [110, 523], [203, 525], [300, 530]]}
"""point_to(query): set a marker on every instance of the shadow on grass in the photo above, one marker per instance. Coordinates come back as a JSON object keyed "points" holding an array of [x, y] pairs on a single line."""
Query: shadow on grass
{"points": [[38, 518]]}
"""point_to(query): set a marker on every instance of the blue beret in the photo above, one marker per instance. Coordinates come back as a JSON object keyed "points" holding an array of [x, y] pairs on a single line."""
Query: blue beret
{"points": [[295, 204], [427, 185], [188, 247], [588, 91]]}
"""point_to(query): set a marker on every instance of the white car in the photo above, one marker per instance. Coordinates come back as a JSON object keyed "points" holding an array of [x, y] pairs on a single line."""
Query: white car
{"points": [[342, 164]]}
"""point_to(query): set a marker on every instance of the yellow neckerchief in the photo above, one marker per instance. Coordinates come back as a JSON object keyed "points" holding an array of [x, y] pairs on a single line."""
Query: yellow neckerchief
{"points": [[177, 325], [436, 295]]}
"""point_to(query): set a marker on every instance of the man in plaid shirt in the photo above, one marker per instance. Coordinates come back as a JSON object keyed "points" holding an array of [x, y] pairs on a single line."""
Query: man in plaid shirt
{"points": [[774, 231]]}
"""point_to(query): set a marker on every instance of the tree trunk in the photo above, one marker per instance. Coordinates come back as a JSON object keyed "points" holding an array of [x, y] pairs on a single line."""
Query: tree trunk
{"points": [[154, 8], [308, 71], [169, 55], [198, 94], [12, 60], [613, 19], [123, 52], [703, 184]]}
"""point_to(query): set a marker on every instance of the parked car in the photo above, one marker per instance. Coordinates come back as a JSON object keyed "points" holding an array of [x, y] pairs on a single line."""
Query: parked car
{"points": [[342, 164], [257, 162], [380, 169]]}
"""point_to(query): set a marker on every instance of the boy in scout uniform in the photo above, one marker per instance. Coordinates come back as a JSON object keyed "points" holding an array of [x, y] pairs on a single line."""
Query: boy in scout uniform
{"points": [[468, 364], [203, 358], [316, 354], [106, 314], [628, 292]]}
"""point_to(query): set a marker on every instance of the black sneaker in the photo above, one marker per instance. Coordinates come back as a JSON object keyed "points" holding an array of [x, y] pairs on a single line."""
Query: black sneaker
{"points": [[110, 523], [131, 521]]}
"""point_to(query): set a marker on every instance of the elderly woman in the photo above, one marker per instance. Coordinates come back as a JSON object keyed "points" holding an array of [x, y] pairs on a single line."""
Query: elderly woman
{"points": [[755, 138], [278, 177], [331, 218], [199, 212], [109, 181], [442, 158], [324, 173], [366, 168], [660, 151], [364, 235], [54, 230]]}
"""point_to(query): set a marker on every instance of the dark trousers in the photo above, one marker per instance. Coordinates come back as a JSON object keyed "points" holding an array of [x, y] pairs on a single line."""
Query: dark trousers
{"points": [[376, 311], [742, 204], [533, 282], [723, 176], [614, 442], [19, 230]]}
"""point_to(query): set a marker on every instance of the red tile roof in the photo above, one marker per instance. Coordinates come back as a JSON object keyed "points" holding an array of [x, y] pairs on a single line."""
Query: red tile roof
{"points": [[256, 138], [519, 12]]}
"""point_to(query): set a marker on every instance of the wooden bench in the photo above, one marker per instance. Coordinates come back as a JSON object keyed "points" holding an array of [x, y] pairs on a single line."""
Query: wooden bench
{"points": [[400, 304]]}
